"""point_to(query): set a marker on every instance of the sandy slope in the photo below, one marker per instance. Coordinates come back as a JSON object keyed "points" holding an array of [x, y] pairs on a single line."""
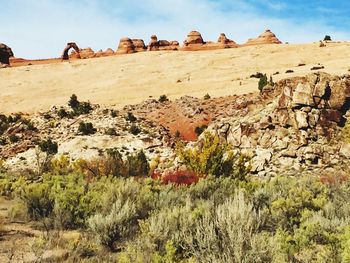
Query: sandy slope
{"points": [[125, 79]]}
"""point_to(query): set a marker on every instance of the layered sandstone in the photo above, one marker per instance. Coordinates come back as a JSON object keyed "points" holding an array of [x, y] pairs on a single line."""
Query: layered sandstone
{"points": [[157, 45], [265, 38], [126, 46]]}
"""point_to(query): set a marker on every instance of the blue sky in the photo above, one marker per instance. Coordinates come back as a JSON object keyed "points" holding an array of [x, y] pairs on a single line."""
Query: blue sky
{"points": [[40, 28]]}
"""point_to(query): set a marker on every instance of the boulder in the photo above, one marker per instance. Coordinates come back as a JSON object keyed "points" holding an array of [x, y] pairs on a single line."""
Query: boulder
{"points": [[5, 54], [86, 53], [139, 45], [194, 38], [265, 38], [227, 43], [126, 46]]}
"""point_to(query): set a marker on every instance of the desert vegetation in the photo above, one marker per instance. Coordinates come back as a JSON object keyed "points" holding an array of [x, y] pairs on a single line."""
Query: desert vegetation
{"points": [[216, 211]]}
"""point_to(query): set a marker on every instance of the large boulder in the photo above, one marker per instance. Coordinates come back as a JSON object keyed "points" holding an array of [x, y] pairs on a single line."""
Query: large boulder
{"points": [[126, 46], [194, 38], [86, 53], [265, 38], [139, 45], [5, 54]]}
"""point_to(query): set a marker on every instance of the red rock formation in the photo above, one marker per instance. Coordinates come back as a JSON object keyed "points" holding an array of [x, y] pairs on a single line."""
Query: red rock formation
{"points": [[126, 46], [139, 45], [223, 40], [193, 38], [265, 38], [156, 45], [87, 53], [70, 45]]}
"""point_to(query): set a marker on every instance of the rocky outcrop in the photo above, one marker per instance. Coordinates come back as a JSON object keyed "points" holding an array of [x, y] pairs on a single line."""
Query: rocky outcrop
{"points": [[126, 46], [106, 53], [157, 45], [5, 54], [227, 43], [69, 46], [86, 53], [291, 132], [139, 45], [195, 42], [265, 38]]}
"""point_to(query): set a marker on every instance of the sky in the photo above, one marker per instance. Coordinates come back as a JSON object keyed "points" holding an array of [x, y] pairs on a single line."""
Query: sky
{"points": [[41, 28]]}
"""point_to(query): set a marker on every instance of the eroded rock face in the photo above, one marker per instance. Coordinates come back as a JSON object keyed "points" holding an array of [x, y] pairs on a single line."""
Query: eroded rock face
{"points": [[86, 53], [194, 38], [265, 38], [126, 46], [223, 40], [156, 45], [5, 54], [139, 45], [304, 113]]}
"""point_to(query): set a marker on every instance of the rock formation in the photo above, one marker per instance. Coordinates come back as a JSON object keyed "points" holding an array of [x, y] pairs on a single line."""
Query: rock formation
{"points": [[156, 45], [5, 54], [126, 46], [139, 45], [86, 53], [223, 40], [291, 132], [265, 38], [70, 45], [193, 38], [195, 42]]}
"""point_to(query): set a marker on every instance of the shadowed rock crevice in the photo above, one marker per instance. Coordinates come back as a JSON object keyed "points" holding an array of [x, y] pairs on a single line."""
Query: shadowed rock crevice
{"points": [[5, 54]]}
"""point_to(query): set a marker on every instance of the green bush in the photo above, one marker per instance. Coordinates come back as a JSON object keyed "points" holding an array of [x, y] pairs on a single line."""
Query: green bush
{"points": [[262, 82], [130, 117], [86, 128], [135, 130], [211, 157], [163, 98], [116, 225], [137, 164]]}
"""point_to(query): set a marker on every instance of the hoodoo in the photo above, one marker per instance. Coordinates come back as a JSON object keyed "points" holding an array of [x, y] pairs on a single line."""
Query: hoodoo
{"points": [[265, 38]]}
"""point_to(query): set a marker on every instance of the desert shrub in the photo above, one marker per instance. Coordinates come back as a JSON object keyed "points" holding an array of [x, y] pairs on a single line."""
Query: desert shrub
{"points": [[178, 177], [73, 102], [62, 113], [137, 164], [61, 165], [327, 38], [134, 129], [13, 138], [262, 82], [210, 157], [48, 146], [111, 132], [163, 98], [200, 129], [207, 96], [130, 117], [116, 225], [289, 71], [86, 128], [114, 113], [38, 200]]}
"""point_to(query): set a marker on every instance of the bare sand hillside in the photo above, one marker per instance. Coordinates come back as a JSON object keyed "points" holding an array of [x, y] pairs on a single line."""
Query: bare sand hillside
{"points": [[128, 79]]}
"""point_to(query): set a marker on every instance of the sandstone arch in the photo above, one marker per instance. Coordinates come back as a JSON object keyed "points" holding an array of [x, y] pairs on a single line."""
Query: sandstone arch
{"points": [[65, 55], [5, 54]]}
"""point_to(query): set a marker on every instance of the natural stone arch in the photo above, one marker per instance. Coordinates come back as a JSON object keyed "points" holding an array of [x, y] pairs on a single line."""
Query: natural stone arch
{"points": [[65, 54], [5, 54]]}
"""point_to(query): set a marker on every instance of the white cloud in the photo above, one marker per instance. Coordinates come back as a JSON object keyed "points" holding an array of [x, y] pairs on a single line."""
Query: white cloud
{"points": [[39, 29]]}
